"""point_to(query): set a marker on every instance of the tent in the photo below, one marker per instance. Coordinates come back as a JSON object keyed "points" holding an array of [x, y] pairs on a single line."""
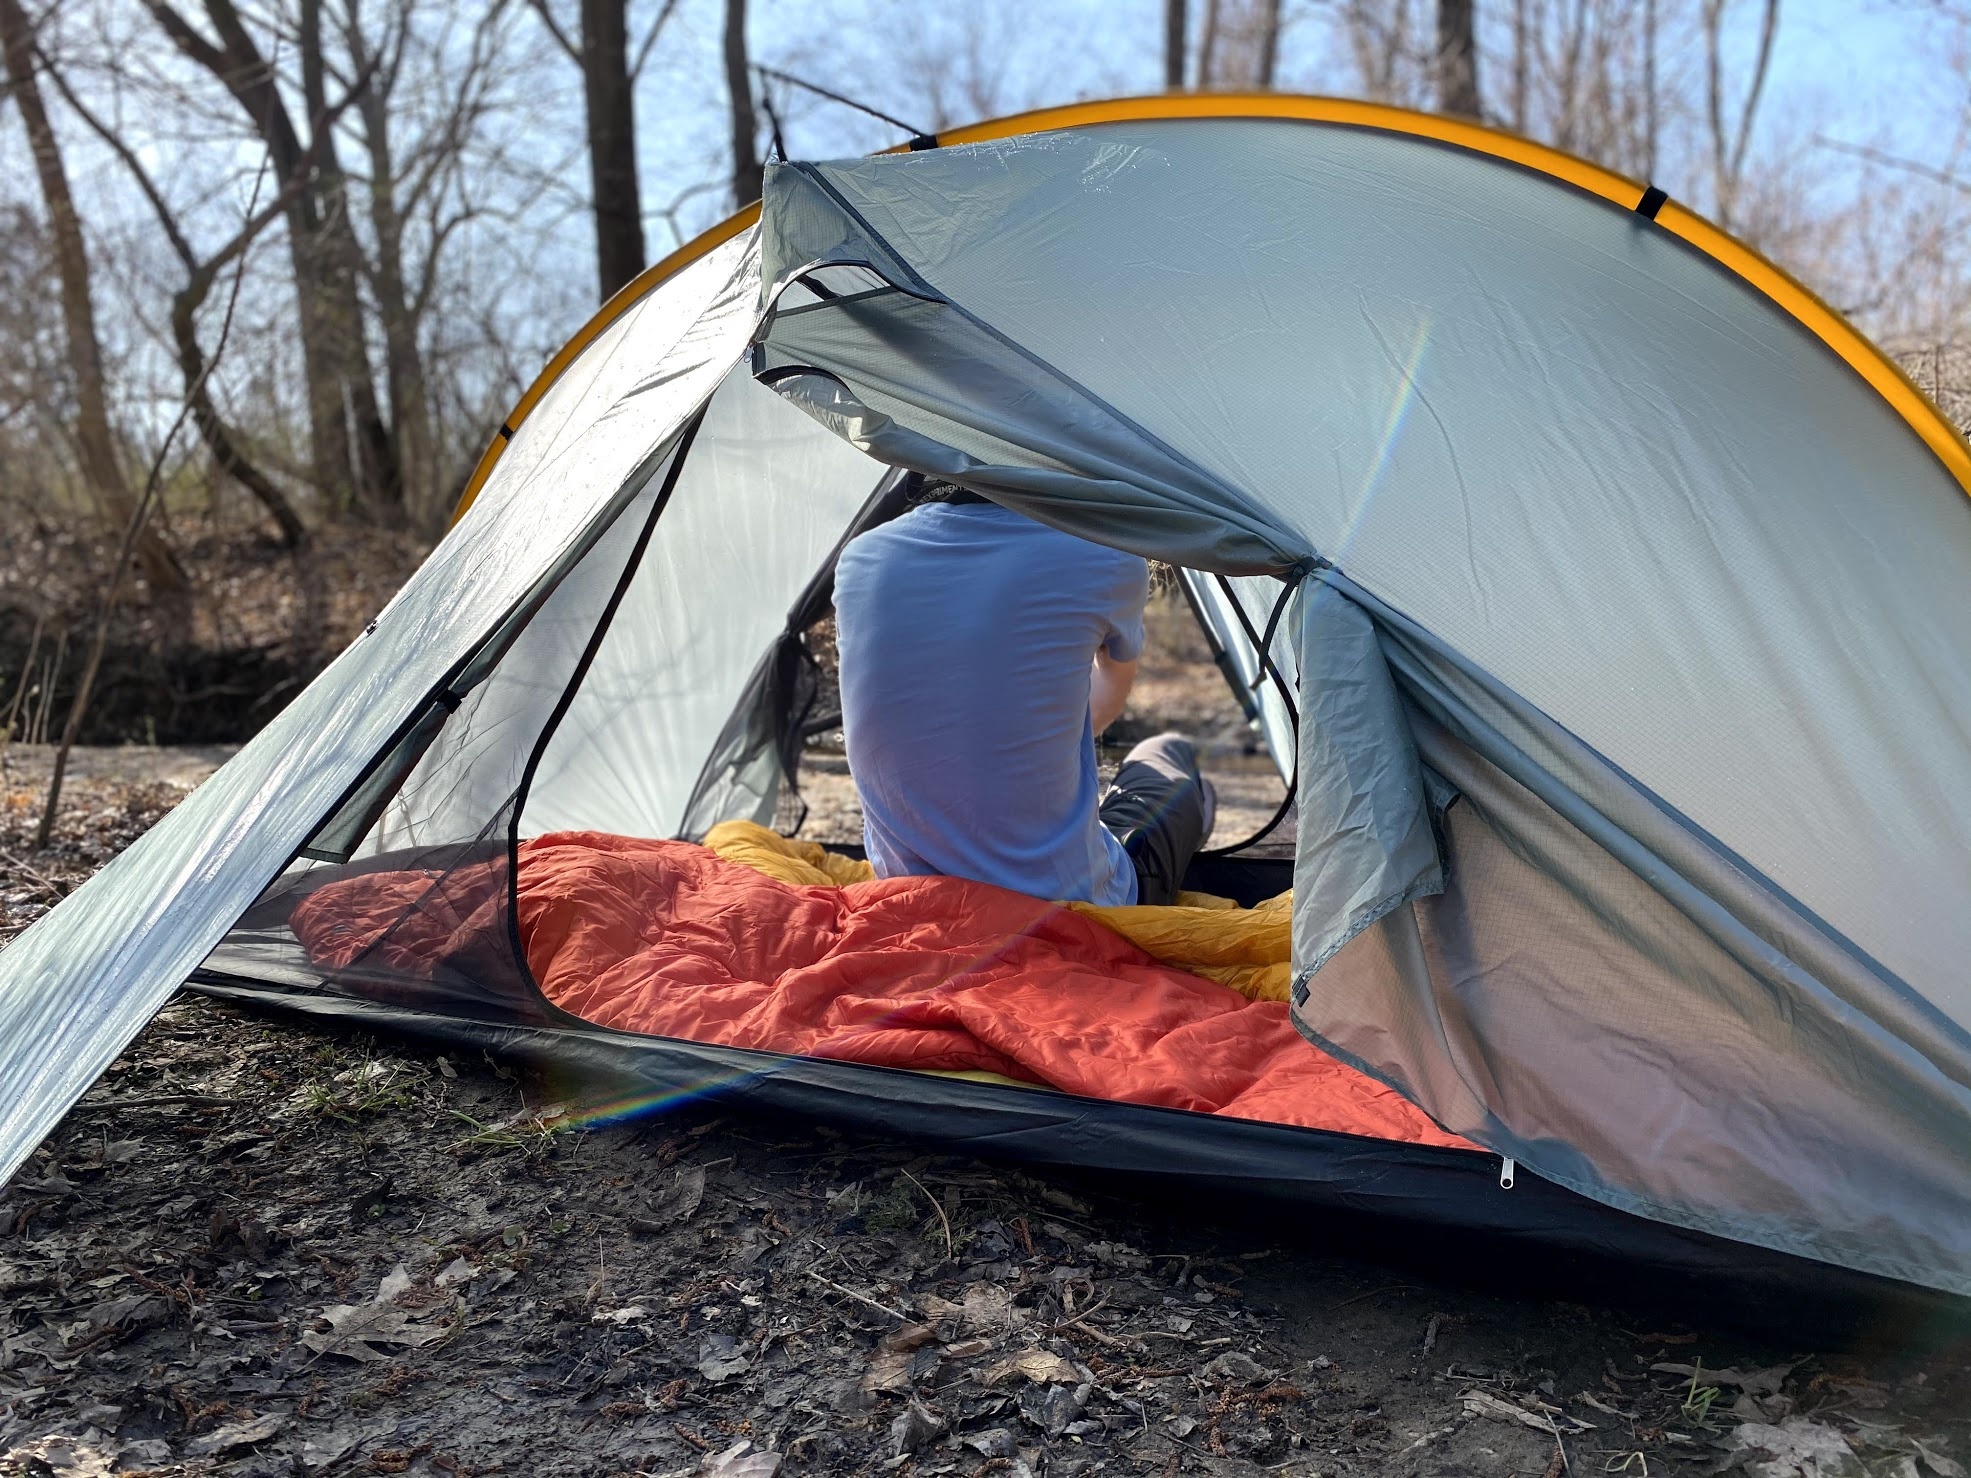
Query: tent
{"points": [[1604, 593]]}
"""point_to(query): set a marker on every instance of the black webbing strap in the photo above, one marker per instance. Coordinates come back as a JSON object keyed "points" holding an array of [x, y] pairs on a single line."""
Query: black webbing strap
{"points": [[1652, 202]]}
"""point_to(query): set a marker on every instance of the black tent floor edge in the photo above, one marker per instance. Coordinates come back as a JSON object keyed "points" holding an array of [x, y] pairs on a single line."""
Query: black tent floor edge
{"points": [[1304, 1173]]}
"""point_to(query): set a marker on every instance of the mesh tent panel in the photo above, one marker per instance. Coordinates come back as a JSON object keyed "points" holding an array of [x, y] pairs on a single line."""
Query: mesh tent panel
{"points": [[448, 944], [578, 723], [474, 767], [762, 499]]}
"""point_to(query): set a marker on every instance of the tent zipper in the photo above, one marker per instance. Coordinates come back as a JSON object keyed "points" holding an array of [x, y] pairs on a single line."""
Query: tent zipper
{"points": [[1506, 1169]]}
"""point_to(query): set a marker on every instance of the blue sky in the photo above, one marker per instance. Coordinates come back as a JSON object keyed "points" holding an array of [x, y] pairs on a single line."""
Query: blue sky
{"points": [[1867, 70], [1878, 72]]}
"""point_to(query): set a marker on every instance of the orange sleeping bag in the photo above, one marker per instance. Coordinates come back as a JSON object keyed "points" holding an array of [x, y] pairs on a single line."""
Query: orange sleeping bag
{"points": [[667, 939]]}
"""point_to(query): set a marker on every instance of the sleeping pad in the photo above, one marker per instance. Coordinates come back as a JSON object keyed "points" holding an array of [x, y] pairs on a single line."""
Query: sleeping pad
{"points": [[942, 974]]}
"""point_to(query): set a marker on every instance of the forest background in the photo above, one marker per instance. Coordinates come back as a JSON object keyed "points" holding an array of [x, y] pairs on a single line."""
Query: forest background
{"points": [[273, 271]]}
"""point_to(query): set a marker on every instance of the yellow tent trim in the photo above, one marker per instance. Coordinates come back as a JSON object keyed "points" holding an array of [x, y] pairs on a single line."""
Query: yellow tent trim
{"points": [[1785, 292]]}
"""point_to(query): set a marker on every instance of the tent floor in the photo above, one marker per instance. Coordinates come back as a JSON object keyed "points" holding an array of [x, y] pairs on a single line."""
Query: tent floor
{"points": [[1330, 1182]]}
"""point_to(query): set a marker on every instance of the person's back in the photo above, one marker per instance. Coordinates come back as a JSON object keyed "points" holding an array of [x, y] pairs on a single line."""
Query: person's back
{"points": [[966, 634]]}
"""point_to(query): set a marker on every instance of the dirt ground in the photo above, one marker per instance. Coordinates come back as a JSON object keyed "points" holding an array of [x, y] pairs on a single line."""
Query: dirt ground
{"points": [[261, 1249]]}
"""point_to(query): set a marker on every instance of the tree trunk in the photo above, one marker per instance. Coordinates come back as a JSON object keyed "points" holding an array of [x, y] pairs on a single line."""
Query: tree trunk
{"points": [[1175, 31], [95, 442], [1457, 59], [1521, 57], [351, 452], [612, 143], [185, 304], [1269, 42], [1652, 126], [748, 178], [1729, 143], [403, 361], [251, 82], [374, 468]]}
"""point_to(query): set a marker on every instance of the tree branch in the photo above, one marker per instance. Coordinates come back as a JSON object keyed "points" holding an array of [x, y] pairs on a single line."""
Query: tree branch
{"points": [[650, 38], [554, 30], [1895, 161], [201, 274], [130, 162], [1768, 32]]}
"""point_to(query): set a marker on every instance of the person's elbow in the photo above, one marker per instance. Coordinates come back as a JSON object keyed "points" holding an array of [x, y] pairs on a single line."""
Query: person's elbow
{"points": [[1109, 689]]}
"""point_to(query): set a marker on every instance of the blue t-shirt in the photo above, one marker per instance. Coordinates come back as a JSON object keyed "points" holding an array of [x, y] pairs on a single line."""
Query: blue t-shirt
{"points": [[966, 634]]}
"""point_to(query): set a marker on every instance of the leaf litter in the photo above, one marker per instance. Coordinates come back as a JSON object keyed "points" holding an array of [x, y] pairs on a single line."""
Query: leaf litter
{"points": [[369, 1332], [256, 1250]]}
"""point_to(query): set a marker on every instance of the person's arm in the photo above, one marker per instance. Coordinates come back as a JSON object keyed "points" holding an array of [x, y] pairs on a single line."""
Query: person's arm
{"points": [[1108, 689]]}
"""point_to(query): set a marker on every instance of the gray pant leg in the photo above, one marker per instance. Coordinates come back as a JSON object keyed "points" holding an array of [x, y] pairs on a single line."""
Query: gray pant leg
{"points": [[1158, 809]]}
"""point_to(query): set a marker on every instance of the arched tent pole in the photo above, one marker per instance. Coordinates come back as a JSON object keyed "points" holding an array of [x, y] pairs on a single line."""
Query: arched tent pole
{"points": [[1786, 292]]}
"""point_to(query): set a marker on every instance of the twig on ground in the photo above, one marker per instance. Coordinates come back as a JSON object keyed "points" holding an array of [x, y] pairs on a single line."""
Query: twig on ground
{"points": [[944, 1221], [39, 879], [1377, 1293], [861, 1298], [1094, 1308], [1560, 1448]]}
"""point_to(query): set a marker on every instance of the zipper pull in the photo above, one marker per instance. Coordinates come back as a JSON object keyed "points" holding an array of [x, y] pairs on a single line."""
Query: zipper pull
{"points": [[1506, 1168]]}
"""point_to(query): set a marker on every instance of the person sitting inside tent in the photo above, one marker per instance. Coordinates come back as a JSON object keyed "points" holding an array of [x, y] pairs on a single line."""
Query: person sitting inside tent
{"points": [[981, 653]]}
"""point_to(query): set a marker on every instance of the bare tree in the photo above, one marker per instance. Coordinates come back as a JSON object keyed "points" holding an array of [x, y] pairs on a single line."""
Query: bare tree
{"points": [[1268, 42], [1731, 138], [1457, 59], [1652, 101], [1239, 43], [418, 196], [958, 72], [1584, 75], [1521, 59], [611, 102], [748, 177], [1381, 39], [352, 449], [201, 272], [133, 530], [95, 442], [410, 416], [609, 92], [1208, 44]]}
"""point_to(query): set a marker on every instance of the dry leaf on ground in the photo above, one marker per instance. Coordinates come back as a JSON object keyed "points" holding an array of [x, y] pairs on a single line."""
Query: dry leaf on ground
{"points": [[355, 1329], [1796, 1449], [236, 1434]]}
